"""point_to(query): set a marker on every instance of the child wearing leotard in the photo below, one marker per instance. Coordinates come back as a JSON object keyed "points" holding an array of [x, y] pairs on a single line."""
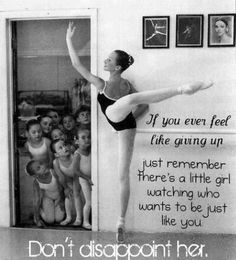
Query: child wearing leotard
{"points": [[84, 164], [37, 145], [64, 165], [48, 194]]}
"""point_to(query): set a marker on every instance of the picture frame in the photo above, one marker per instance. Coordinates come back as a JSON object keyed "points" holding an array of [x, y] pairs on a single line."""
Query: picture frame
{"points": [[189, 30], [221, 30], [156, 31]]}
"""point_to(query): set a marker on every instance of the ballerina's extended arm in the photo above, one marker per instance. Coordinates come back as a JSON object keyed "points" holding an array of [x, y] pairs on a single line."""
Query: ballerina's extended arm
{"points": [[96, 81]]}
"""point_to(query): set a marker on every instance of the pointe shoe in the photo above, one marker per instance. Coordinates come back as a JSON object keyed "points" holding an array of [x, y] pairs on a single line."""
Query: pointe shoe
{"points": [[120, 235], [194, 87], [206, 85]]}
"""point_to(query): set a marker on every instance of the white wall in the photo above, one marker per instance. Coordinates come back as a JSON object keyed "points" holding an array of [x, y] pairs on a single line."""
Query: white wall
{"points": [[120, 27]]}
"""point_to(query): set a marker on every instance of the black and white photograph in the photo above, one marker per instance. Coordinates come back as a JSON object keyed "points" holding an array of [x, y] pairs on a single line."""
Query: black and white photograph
{"points": [[156, 31], [221, 30], [116, 143], [189, 30]]}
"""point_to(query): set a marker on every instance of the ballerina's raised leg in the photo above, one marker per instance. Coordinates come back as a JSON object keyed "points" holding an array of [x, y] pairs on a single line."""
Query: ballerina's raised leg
{"points": [[123, 106], [117, 112]]}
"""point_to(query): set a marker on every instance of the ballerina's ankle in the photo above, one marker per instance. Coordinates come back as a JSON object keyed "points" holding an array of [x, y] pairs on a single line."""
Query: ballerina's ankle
{"points": [[180, 90], [121, 222], [184, 89]]}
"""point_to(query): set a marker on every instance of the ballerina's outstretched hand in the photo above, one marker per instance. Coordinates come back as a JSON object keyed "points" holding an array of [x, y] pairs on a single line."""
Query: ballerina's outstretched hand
{"points": [[70, 30]]}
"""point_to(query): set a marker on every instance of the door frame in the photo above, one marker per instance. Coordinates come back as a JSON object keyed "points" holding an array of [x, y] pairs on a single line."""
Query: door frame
{"points": [[6, 100]]}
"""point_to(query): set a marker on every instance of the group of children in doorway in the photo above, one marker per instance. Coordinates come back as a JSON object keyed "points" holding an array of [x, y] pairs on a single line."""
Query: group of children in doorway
{"points": [[59, 148]]}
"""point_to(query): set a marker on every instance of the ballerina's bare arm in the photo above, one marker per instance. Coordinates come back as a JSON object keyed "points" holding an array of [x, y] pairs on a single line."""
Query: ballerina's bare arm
{"points": [[96, 81]]}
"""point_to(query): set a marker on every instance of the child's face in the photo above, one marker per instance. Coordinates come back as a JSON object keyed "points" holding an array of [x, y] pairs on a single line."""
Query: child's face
{"points": [[68, 123], [46, 124], [84, 139], [55, 117], [58, 134], [83, 117], [40, 170], [35, 133], [62, 149]]}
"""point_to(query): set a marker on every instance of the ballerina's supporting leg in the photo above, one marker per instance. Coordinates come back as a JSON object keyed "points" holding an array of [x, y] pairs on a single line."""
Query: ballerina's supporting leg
{"points": [[123, 106], [126, 142]]}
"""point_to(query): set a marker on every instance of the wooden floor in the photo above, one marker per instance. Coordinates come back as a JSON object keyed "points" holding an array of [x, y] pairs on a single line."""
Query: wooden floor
{"points": [[22, 244]]}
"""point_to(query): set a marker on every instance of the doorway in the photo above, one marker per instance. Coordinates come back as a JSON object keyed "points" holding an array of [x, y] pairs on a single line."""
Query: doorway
{"points": [[43, 80]]}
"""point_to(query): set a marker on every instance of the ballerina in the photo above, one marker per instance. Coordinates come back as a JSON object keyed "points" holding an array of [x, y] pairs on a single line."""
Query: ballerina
{"points": [[118, 98], [156, 30]]}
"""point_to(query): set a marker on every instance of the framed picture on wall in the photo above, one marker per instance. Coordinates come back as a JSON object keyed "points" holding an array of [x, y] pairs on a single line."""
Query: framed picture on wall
{"points": [[221, 30], [189, 30], [156, 31]]}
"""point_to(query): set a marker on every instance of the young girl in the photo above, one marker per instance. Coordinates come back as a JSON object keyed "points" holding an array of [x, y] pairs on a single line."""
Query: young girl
{"points": [[69, 127], [56, 119], [46, 124], [48, 194], [83, 116], [64, 165], [117, 98], [37, 145], [83, 161], [58, 134]]}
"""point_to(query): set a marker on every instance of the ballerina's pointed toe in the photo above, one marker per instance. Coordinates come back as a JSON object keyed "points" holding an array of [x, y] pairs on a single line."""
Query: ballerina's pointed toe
{"points": [[120, 235], [206, 85], [195, 87]]}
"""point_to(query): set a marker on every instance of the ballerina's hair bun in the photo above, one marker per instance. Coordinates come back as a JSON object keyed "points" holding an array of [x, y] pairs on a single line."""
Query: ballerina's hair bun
{"points": [[131, 60], [124, 59]]}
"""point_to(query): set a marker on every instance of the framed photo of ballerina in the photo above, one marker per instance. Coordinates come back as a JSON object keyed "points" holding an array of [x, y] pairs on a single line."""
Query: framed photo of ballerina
{"points": [[156, 32], [221, 30], [189, 30]]}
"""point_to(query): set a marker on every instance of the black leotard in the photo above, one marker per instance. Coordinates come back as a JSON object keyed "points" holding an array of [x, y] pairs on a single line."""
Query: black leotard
{"points": [[128, 123]]}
